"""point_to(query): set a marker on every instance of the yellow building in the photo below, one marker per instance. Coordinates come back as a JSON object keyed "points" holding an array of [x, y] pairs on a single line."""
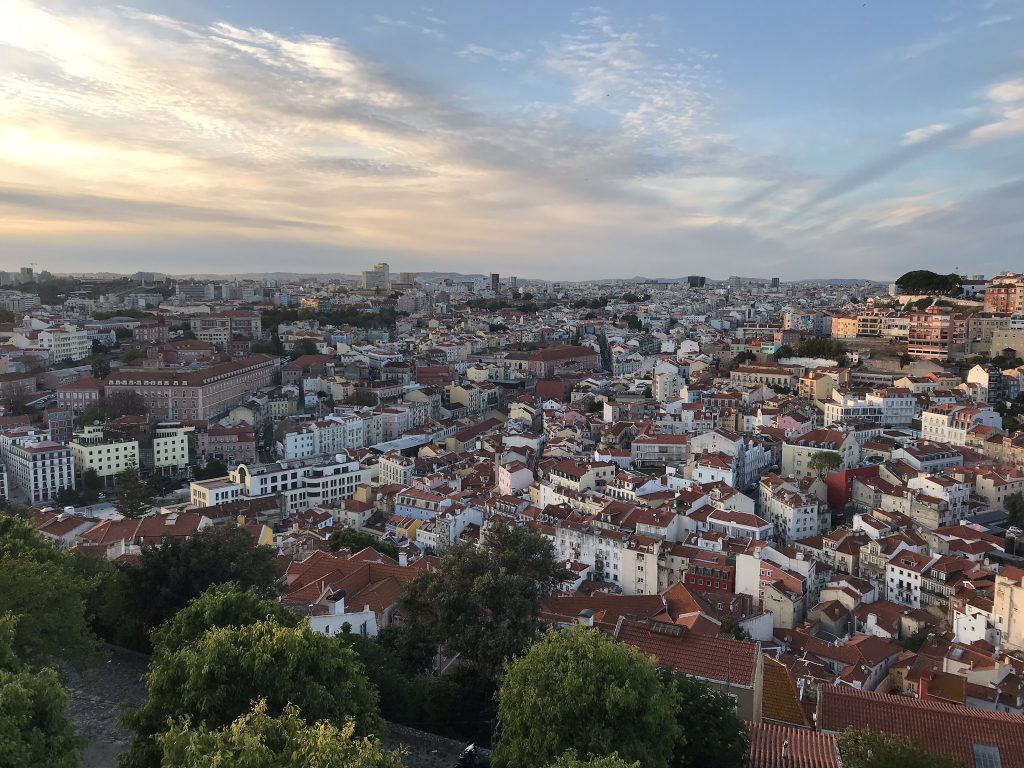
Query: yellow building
{"points": [[171, 445], [91, 450], [844, 327]]}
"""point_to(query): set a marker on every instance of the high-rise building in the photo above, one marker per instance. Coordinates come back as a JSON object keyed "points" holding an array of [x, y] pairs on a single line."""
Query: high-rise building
{"points": [[26, 274], [696, 281], [513, 283], [380, 278], [1005, 293], [407, 278], [495, 282], [775, 282]]}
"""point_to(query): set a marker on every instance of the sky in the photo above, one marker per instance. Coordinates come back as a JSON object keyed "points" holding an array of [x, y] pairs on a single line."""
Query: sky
{"points": [[543, 139]]}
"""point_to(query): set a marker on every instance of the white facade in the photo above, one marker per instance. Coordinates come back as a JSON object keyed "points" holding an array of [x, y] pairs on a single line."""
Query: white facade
{"points": [[65, 343], [106, 458], [39, 469]]}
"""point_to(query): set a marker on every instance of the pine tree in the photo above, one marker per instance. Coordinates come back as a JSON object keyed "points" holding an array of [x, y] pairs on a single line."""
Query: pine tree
{"points": [[134, 497]]}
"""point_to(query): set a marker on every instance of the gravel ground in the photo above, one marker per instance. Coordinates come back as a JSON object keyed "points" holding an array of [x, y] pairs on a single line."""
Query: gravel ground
{"points": [[100, 695]]}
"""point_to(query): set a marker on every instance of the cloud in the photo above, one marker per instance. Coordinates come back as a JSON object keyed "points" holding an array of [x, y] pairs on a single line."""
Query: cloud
{"points": [[922, 134], [1008, 91], [475, 52]]}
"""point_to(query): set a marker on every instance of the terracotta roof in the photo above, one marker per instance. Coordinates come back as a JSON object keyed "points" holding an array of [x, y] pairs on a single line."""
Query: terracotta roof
{"points": [[780, 701], [708, 658], [806, 748], [940, 728]]}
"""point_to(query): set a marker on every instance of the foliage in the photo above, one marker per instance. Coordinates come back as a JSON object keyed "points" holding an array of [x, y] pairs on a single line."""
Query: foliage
{"points": [[47, 592], [784, 352], [713, 732], [1014, 505], [222, 605], [926, 281], [740, 358], [214, 680], [134, 497], [579, 689], [830, 349], [572, 760], [385, 318], [120, 403], [731, 627], [257, 740], [214, 468], [824, 462], [595, 406], [905, 360], [353, 540], [153, 588], [304, 347], [632, 321], [100, 368], [138, 314], [362, 397], [915, 641], [867, 749], [33, 729], [484, 601], [16, 398]]}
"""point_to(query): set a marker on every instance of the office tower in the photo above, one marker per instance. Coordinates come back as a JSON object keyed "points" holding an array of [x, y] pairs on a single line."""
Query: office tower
{"points": [[495, 282]]}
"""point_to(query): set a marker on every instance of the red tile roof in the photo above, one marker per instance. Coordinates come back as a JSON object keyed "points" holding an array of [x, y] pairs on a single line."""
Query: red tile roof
{"points": [[783, 746], [940, 728]]}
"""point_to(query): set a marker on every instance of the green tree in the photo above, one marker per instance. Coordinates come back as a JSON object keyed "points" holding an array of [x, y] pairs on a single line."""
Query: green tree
{"points": [[572, 760], [353, 540], [33, 729], [214, 468], [154, 587], [483, 602], [91, 480], [47, 593], [362, 397], [824, 462], [257, 740], [134, 497], [905, 360], [783, 352], [741, 358], [305, 347], [1014, 505], [222, 605], [868, 749], [100, 368], [713, 733], [214, 680], [579, 689]]}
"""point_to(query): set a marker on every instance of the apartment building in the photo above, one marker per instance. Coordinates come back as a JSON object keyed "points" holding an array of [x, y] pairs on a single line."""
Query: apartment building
{"points": [[65, 342], [930, 336], [794, 513], [39, 468], [798, 450], [172, 394], [91, 450], [950, 422], [889, 407], [171, 445], [1009, 607], [1005, 293], [658, 450]]}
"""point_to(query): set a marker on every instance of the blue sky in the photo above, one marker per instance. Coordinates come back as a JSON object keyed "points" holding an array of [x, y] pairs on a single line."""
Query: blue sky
{"points": [[556, 140]]}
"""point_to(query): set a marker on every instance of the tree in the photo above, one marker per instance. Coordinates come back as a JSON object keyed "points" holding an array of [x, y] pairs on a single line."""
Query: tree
{"points": [[867, 749], [222, 605], [214, 468], [134, 497], [212, 681], [571, 760], [362, 397], [740, 358], [163, 580], [484, 601], [33, 728], [100, 368], [16, 398], [579, 689], [353, 540], [257, 740], [905, 360], [926, 281], [1014, 505], [784, 352], [91, 480], [713, 733], [305, 347], [45, 591], [824, 462]]}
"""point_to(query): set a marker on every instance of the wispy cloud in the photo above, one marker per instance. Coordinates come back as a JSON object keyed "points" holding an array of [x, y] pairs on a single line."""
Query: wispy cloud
{"points": [[917, 135], [475, 52]]}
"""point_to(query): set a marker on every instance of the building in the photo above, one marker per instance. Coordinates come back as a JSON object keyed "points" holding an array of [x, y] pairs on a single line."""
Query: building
{"points": [[377, 279], [91, 450], [930, 336], [495, 282], [1008, 606], [1005, 293], [950, 422], [176, 394], [890, 407], [798, 450], [543, 362], [65, 342], [38, 468], [171, 446], [794, 513]]}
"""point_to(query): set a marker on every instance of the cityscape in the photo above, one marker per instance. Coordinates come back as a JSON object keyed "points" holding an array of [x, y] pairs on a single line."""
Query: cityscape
{"points": [[532, 385]]}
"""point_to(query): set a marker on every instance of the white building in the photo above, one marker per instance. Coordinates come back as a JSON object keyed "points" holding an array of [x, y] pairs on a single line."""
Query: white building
{"points": [[950, 422], [171, 446], [107, 458], [39, 468], [903, 577], [891, 407], [65, 342], [794, 513]]}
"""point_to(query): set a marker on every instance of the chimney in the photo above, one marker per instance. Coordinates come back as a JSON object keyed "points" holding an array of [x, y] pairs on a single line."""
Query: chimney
{"points": [[403, 559], [785, 752], [586, 617]]}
